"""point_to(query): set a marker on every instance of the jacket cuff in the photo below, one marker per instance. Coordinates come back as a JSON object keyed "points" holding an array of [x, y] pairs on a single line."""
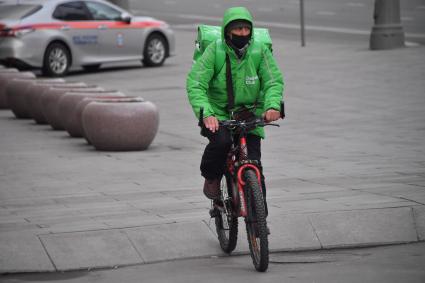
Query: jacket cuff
{"points": [[273, 106], [207, 112]]}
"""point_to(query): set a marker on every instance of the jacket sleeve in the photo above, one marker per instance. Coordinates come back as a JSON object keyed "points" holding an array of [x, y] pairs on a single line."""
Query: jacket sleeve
{"points": [[271, 80], [198, 79]]}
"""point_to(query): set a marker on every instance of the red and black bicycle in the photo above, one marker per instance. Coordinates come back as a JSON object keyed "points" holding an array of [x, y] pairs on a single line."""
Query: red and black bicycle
{"points": [[242, 196]]}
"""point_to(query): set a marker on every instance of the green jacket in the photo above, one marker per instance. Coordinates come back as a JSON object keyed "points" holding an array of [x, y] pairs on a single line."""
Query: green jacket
{"points": [[262, 89]]}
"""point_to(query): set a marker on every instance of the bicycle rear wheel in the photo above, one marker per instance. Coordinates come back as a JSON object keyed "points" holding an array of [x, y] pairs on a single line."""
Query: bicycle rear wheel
{"points": [[256, 225], [226, 224]]}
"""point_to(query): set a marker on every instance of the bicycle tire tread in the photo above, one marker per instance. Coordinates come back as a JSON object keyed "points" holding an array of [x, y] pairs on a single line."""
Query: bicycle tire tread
{"points": [[252, 182]]}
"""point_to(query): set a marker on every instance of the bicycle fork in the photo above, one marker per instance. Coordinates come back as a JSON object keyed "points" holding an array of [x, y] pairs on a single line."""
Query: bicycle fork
{"points": [[241, 182]]}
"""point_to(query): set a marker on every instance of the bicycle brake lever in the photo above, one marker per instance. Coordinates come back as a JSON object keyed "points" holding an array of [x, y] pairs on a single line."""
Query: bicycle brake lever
{"points": [[271, 124]]}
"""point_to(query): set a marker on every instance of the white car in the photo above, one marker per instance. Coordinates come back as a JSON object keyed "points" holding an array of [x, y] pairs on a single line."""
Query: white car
{"points": [[56, 34]]}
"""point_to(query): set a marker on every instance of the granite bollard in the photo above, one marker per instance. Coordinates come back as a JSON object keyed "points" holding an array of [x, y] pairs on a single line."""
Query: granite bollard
{"points": [[120, 126], [8, 70], [78, 130], [5, 79]]}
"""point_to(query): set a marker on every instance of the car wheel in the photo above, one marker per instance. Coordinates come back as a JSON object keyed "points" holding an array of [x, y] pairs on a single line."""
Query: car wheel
{"points": [[155, 51], [91, 68], [57, 60]]}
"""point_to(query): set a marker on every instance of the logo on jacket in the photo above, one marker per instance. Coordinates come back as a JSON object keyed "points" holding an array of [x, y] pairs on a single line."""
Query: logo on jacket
{"points": [[251, 80]]}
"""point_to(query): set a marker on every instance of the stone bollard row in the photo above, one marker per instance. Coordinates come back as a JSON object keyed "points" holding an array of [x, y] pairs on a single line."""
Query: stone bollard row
{"points": [[50, 103], [107, 119], [19, 90]]}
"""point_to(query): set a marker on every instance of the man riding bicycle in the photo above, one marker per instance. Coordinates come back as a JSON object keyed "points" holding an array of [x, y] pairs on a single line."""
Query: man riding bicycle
{"points": [[245, 89]]}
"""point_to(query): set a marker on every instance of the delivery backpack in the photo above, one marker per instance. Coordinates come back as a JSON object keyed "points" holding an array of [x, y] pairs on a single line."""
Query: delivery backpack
{"points": [[212, 34]]}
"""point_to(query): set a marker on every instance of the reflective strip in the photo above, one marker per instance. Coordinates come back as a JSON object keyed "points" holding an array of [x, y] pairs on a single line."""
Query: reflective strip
{"points": [[88, 25]]}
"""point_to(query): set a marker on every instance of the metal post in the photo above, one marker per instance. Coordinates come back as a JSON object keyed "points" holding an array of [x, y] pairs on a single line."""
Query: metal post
{"points": [[387, 33], [302, 23]]}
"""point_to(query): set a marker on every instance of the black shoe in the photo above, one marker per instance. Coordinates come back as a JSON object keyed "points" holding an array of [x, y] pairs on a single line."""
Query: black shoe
{"points": [[214, 212], [212, 188]]}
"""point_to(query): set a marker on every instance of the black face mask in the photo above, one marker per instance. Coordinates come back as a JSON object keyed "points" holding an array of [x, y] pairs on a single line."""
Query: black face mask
{"points": [[240, 41]]}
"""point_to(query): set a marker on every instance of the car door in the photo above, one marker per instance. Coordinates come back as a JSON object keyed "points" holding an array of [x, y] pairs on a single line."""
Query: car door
{"points": [[118, 40], [79, 30]]}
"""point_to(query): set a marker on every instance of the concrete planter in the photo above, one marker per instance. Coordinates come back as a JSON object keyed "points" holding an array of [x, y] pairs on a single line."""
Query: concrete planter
{"points": [[36, 102], [50, 100], [19, 89], [5, 79], [68, 104], [120, 126]]}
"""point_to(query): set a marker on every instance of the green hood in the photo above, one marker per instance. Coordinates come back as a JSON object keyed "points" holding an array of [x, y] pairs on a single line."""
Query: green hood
{"points": [[235, 13]]}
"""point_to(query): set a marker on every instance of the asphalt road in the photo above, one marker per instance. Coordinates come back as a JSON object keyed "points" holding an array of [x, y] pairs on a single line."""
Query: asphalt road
{"points": [[330, 20], [403, 263]]}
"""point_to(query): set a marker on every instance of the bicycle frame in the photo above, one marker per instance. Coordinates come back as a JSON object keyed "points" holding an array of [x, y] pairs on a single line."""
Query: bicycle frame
{"points": [[241, 164]]}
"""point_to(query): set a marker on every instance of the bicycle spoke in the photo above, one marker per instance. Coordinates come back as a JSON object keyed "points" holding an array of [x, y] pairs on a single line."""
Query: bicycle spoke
{"points": [[226, 223]]}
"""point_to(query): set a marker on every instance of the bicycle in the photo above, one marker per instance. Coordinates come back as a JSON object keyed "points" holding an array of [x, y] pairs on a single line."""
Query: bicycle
{"points": [[241, 195]]}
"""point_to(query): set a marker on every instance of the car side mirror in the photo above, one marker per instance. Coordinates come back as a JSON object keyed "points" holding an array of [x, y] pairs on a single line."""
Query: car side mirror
{"points": [[126, 18]]}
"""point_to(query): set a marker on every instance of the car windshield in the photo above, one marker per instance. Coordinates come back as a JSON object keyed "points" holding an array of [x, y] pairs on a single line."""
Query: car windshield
{"points": [[17, 12]]}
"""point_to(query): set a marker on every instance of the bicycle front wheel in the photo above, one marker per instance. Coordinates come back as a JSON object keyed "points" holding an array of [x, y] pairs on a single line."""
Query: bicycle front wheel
{"points": [[256, 225], [226, 224]]}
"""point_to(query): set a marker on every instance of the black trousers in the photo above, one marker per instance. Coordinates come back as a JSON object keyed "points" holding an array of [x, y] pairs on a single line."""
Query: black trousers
{"points": [[215, 154]]}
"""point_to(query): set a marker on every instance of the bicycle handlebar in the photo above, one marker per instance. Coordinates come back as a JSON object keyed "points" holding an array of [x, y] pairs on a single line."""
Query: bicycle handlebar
{"points": [[232, 124], [201, 114]]}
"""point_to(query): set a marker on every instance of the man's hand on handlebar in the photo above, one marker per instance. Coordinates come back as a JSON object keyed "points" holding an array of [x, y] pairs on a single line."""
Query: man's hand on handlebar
{"points": [[211, 123], [271, 115]]}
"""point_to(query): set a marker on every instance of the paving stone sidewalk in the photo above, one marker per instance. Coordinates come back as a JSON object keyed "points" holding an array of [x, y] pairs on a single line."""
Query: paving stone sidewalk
{"points": [[346, 168]]}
